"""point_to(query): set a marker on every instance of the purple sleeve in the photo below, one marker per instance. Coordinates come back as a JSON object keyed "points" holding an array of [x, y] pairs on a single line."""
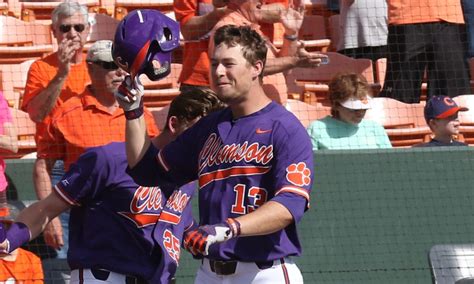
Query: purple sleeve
{"points": [[145, 171], [293, 169], [85, 178]]}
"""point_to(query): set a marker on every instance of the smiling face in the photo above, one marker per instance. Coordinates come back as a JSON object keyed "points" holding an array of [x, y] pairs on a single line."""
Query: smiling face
{"points": [[232, 75]]}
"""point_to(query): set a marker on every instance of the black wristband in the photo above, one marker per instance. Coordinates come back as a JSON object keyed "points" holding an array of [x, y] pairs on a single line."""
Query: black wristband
{"points": [[290, 37], [135, 113]]}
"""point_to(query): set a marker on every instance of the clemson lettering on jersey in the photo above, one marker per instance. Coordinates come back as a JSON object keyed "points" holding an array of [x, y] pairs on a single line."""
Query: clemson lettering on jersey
{"points": [[215, 153], [174, 207], [143, 207]]}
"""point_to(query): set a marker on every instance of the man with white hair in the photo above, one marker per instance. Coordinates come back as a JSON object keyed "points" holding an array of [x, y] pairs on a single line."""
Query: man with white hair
{"points": [[51, 81]]}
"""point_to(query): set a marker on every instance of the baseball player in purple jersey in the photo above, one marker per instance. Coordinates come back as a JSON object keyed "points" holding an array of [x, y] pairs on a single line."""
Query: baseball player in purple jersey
{"points": [[254, 164], [119, 232]]}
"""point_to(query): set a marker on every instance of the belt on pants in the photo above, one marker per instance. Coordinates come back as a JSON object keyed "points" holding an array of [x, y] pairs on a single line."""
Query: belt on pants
{"points": [[101, 274], [229, 267]]}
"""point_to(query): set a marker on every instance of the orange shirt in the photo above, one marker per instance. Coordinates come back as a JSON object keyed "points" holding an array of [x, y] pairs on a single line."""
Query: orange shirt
{"points": [[41, 72], [26, 269], [82, 122], [195, 59], [424, 11], [267, 28]]}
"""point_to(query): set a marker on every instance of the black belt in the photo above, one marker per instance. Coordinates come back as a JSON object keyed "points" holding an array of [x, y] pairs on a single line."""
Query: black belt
{"points": [[101, 274], [228, 267]]}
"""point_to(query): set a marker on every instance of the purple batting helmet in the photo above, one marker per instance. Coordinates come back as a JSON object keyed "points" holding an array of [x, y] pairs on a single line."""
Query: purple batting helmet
{"points": [[142, 37]]}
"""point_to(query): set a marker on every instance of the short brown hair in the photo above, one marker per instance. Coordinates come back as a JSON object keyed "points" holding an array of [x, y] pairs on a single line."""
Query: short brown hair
{"points": [[254, 47], [193, 103]]}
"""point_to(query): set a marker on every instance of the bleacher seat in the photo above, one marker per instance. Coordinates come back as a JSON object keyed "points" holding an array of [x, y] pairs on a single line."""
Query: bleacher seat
{"points": [[312, 82], [404, 123], [452, 263], [102, 27], [122, 7], [26, 130], [41, 10], [20, 41], [13, 80], [466, 118], [307, 113]]}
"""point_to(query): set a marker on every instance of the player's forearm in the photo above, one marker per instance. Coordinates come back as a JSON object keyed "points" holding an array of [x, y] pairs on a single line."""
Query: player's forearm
{"points": [[137, 140], [269, 218], [39, 214], [42, 104], [198, 26]]}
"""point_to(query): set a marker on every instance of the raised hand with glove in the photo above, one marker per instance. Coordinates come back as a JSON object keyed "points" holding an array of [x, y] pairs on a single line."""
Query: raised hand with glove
{"points": [[199, 240], [130, 97]]}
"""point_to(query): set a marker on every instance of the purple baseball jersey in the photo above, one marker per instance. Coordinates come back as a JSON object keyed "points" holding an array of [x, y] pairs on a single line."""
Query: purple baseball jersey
{"points": [[119, 226], [240, 165]]}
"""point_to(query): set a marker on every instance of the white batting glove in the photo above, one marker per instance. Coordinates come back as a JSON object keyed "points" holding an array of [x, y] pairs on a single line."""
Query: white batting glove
{"points": [[199, 240], [130, 94]]}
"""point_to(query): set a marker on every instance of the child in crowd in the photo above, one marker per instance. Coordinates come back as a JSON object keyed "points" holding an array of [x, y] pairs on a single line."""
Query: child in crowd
{"points": [[441, 114]]}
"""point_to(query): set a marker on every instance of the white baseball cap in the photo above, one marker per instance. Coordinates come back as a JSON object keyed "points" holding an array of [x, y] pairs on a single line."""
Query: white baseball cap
{"points": [[356, 103], [101, 50]]}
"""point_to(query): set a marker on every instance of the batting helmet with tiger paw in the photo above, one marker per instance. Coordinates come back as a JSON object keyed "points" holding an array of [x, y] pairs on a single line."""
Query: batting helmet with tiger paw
{"points": [[143, 38]]}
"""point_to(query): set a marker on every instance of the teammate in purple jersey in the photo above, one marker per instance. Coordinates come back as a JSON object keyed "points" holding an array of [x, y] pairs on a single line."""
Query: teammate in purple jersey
{"points": [[120, 232], [254, 164]]}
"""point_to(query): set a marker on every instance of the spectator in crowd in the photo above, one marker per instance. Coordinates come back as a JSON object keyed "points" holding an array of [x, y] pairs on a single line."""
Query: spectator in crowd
{"points": [[441, 115], [8, 144], [425, 34], [51, 81], [120, 215], [364, 28], [93, 118], [468, 10], [290, 55], [20, 266], [247, 146], [197, 19], [346, 127]]}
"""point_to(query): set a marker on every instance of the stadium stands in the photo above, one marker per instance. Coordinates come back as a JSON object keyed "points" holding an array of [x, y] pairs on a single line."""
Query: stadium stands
{"points": [[404, 123], [122, 7], [41, 11], [13, 80], [466, 118], [312, 82], [20, 41], [26, 130]]}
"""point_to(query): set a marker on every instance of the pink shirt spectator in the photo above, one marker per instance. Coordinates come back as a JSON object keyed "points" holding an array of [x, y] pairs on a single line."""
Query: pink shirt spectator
{"points": [[5, 117]]}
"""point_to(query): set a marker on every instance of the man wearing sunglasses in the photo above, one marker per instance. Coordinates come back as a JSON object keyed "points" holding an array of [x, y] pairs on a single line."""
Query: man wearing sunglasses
{"points": [[93, 118], [51, 81]]}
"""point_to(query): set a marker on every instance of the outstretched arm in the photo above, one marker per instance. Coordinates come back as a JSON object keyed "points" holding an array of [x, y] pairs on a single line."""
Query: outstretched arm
{"points": [[32, 221]]}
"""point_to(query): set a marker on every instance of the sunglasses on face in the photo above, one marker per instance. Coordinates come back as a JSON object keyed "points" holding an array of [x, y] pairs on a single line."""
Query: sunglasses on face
{"points": [[106, 65], [66, 28]]}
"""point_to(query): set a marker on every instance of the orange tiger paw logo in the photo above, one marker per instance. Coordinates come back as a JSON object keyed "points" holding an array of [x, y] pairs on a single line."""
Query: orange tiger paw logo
{"points": [[298, 174]]}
